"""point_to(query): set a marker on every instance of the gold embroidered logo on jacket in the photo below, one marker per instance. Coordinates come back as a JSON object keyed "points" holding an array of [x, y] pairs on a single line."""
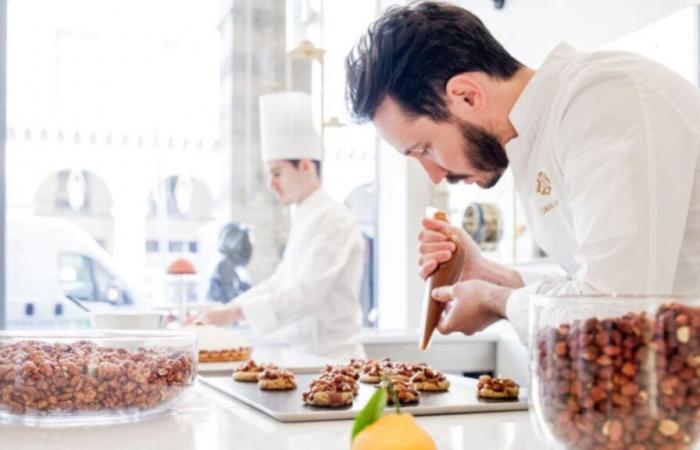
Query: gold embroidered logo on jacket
{"points": [[544, 186]]}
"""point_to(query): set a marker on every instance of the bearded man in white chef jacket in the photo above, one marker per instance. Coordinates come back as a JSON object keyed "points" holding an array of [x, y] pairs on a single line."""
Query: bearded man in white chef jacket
{"points": [[603, 148], [313, 297]]}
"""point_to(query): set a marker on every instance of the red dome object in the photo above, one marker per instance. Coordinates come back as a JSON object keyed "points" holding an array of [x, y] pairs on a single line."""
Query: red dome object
{"points": [[181, 267]]}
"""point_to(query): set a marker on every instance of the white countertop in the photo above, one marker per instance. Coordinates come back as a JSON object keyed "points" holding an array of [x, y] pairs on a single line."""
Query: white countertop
{"points": [[206, 420]]}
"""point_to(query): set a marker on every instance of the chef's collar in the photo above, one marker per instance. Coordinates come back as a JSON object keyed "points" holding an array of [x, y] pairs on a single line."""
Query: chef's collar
{"points": [[528, 108], [310, 203]]}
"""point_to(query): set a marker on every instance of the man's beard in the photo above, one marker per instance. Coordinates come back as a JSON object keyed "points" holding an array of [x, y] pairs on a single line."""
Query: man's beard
{"points": [[484, 153]]}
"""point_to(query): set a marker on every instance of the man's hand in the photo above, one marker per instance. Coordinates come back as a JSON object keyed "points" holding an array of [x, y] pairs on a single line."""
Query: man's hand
{"points": [[471, 306], [436, 248], [224, 315]]}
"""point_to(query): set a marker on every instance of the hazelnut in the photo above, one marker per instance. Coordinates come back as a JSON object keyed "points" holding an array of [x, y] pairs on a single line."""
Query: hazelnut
{"points": [[683, 334], [613, 429], [668, 427]]}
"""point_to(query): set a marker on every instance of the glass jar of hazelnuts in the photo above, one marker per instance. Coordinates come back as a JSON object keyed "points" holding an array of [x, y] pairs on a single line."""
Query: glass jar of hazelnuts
{"points": [[616, 372], [87, 377]]}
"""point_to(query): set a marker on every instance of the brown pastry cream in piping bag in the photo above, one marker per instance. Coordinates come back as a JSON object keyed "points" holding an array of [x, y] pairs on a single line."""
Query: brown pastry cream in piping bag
{"points": [[446, 274]]}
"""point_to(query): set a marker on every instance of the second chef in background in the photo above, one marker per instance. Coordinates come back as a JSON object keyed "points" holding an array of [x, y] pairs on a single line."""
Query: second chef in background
{"points": [[312, 298]]}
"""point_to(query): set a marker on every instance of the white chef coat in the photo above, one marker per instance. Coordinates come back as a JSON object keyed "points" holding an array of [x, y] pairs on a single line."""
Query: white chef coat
{"points": [[313, 297], [606, 166]]}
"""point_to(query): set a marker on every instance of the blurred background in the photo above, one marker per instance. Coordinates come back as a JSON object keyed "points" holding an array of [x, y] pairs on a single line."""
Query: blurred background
{"points": [[132, 140]]}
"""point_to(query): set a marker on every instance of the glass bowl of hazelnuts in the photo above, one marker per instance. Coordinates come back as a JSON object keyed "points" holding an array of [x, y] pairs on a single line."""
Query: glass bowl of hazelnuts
{"points": [[75, 378], [616, 372]]}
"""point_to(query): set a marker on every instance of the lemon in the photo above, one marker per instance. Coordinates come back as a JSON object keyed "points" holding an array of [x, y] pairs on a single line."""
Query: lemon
{"points": [[394, 432]]}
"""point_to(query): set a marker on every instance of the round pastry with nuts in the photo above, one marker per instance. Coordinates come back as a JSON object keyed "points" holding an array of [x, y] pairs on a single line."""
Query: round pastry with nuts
{"points": [[357, 364], [373, 370], [406, 392], [430, 380], [405, 371], [250, 371], [329, 392], [348, 373], [372, 373], [277, 380], [499, 388]]}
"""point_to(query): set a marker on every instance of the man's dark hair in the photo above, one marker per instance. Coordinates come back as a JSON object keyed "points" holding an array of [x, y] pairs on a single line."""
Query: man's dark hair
{"points": [[317, 165], [411, 52]]}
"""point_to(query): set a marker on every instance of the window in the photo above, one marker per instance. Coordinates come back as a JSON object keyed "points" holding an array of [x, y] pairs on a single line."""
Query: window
{"points": [[85, 279], [144, 139], [151, 246], [3, 134], [175, 246], [108, 288], [75, 276]]}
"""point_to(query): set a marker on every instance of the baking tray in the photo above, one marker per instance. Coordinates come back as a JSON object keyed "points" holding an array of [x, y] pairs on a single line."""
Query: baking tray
{"points": [[227, 368], [287, 406], [294, 361]]}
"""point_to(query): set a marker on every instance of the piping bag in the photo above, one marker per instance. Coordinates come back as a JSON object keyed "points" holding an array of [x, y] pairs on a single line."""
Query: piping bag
{"points": [[446, 274]]}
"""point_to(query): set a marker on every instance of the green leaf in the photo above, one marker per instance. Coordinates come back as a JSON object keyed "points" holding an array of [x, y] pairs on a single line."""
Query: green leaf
{"points": [[386, 384], [372, 411], [394, 397]]}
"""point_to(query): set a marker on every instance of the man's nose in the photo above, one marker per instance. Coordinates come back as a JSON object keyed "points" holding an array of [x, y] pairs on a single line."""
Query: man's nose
{"points": [[434, 171]]}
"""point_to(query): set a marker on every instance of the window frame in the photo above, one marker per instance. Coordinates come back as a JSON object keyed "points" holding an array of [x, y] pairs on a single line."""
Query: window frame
{"points": [[3, 83]]}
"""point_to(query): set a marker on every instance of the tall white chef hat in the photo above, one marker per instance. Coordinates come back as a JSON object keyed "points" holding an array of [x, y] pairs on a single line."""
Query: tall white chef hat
{"points": [[286, 127]]}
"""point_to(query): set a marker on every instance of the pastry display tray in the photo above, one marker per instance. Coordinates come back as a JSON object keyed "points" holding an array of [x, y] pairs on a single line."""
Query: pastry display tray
{"points": [[226, 368], [287, 406]]}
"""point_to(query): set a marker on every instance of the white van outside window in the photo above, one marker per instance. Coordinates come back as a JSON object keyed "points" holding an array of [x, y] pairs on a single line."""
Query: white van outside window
{"points": [[85, 279], [48, 258]]}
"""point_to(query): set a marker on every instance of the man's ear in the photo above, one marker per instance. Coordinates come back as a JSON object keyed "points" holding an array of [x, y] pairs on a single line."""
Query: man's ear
{"points": [[464, 95], [306, 165]]}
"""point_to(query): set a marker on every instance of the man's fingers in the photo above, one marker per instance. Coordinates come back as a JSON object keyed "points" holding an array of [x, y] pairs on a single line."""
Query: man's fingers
{"points": [[432, 247], [431, 236], [427, 268], [445, 326], [437, 256], [436, 225], [442, 294]]}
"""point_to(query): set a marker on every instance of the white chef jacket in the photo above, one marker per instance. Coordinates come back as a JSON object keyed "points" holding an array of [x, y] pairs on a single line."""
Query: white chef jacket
{"points": [[606, 166], [313, 297]]}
